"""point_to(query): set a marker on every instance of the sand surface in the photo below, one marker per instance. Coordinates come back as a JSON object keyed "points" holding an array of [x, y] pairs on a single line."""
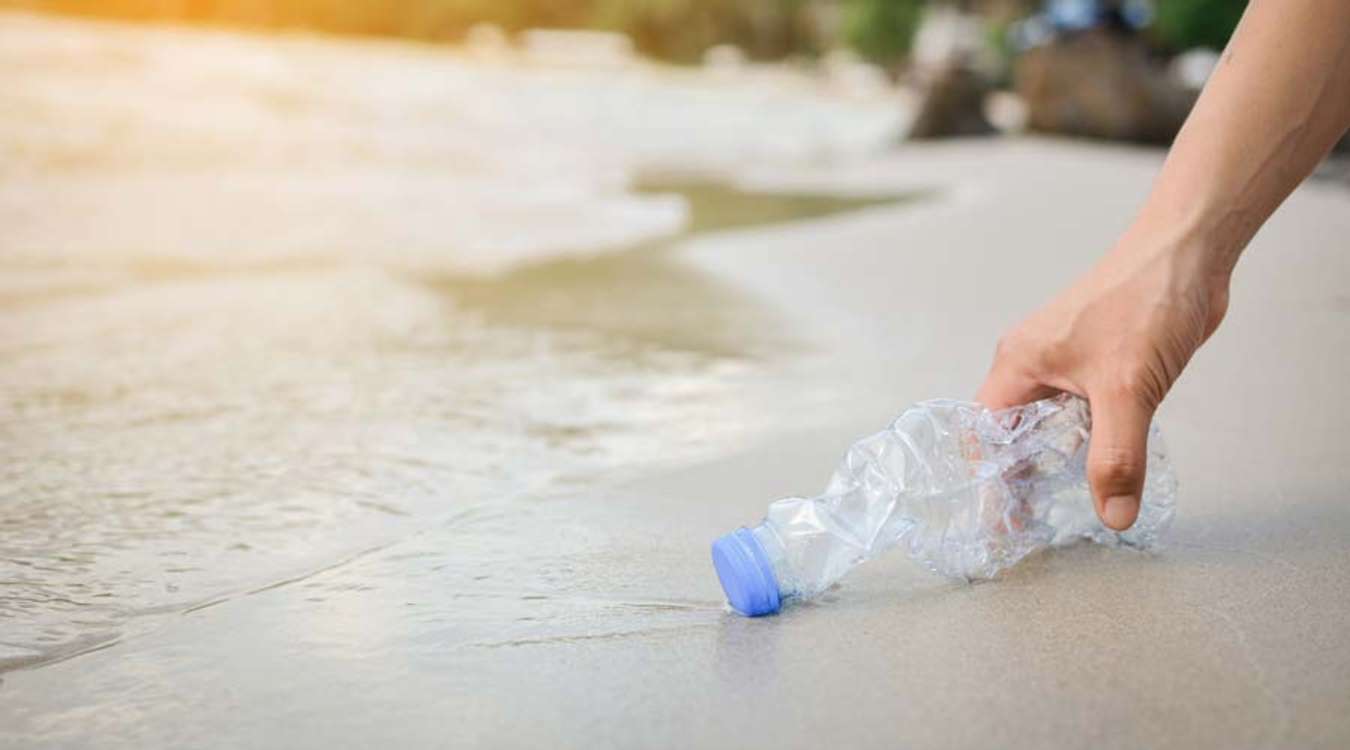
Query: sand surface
{"points": [[584, 612]]}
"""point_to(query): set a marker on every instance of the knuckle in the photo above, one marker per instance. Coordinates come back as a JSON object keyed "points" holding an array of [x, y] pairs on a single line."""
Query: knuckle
{"points": [[1017, 348], [1117, 472], [1137, 385], [1053, 355]]}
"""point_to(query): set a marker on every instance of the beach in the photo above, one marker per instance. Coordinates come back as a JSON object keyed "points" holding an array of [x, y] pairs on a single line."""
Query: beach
{"points": [[443, 470]]}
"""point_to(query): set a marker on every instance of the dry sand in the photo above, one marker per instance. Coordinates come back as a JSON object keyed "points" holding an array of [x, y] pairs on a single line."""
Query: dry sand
{"points": [[1234, 636]]}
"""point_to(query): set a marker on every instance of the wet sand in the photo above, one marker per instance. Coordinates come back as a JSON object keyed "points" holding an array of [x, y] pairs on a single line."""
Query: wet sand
{"points": [[583, 612]]}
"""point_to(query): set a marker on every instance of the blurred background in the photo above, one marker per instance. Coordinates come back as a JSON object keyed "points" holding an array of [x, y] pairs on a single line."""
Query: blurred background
{"points": [[1124, 69]]}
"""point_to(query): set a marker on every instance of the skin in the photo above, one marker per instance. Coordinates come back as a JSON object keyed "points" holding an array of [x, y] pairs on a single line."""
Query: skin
{"points": [[1120, 335]]}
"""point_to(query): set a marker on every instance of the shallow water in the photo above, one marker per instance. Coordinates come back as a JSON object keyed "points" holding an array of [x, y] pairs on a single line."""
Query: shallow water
{"points": [[267, 305], [182, 437]]}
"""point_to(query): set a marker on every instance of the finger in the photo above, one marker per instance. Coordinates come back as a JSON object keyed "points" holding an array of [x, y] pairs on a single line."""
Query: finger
{"points": [[1004, 387], [1118, 456]]}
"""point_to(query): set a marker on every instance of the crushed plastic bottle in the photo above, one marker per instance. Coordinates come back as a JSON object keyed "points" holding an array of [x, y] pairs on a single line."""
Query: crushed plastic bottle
{"points": [[965, 491]]}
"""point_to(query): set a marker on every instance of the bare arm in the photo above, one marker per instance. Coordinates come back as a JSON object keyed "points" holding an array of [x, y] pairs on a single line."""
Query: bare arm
{"points": [[1120, 336], [1277, 102]]}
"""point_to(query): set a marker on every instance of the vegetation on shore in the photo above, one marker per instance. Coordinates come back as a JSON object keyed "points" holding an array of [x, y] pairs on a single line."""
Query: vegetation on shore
{"points": [[676, 30]]}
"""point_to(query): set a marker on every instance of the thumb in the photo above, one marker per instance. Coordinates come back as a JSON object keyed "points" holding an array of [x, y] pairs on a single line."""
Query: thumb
{"points": [[1118, 456]]}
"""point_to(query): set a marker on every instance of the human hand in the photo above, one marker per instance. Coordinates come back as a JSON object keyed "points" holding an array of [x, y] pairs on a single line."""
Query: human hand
{"points": [[1118, 337], [1121, 335]]}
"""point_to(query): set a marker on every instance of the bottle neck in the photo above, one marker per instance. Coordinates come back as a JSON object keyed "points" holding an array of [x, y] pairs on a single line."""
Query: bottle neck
{"points": [[776, 552]]}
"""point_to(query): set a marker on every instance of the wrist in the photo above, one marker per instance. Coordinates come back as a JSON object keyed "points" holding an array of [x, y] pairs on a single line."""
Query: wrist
{"points": [[1175, 265], [1204, 245]]}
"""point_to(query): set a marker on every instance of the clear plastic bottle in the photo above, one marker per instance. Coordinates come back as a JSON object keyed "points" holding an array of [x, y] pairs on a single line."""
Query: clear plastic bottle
{"points": [[965, 491]]}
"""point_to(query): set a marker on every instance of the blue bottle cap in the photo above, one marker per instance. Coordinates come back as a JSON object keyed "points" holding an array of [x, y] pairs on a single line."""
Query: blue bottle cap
{"points": [[746, 574]]}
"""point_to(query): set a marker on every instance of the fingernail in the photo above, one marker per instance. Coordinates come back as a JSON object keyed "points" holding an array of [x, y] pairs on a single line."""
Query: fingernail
{"points": [[1118, 512]]}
